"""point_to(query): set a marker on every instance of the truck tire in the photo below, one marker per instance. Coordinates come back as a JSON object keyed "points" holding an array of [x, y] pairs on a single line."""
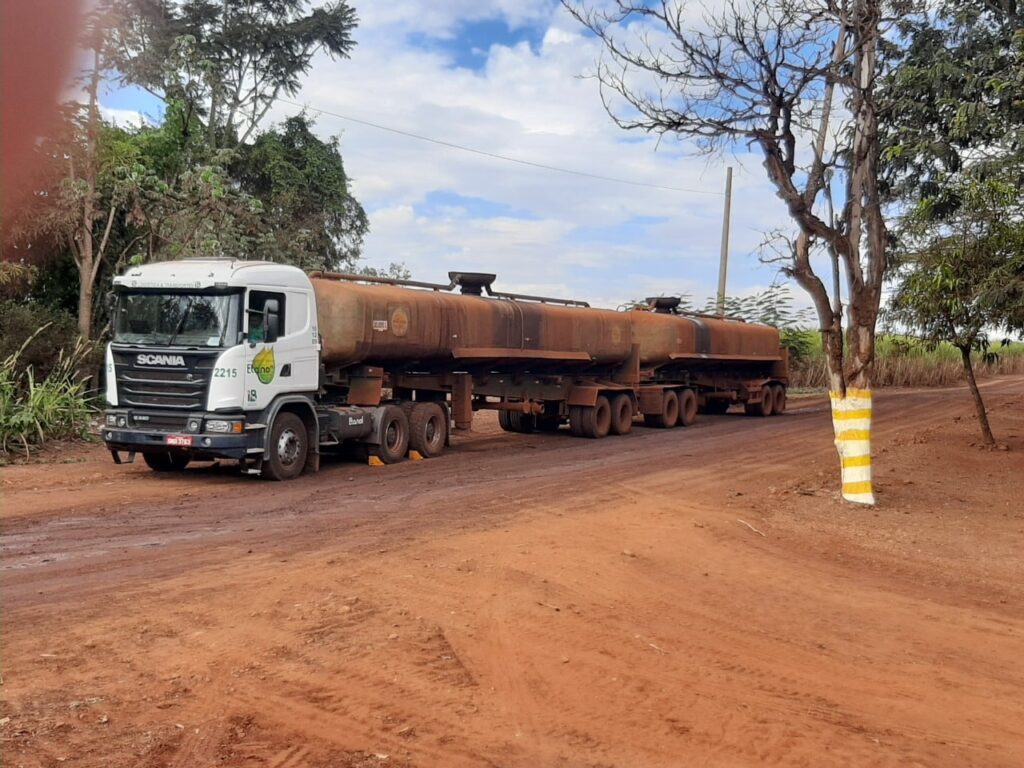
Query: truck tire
{"points": [[517, 421], [591, 421], [669, 412], [765, 407], [166, 461], [427, 429], [394, 432], [288, 448], [780, 399], [687, 407], [622, 413]]}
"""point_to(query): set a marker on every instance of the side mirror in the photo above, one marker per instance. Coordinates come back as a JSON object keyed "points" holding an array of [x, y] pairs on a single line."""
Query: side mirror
{"points": [[272, 311]]}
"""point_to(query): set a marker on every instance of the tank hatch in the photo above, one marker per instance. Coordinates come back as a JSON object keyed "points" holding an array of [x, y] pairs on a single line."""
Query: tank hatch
{"points": [[472, 283], [665, 305]]}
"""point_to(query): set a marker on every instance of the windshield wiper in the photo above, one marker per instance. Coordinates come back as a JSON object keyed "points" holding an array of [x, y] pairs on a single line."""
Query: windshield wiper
{"points": [[181, 322]]}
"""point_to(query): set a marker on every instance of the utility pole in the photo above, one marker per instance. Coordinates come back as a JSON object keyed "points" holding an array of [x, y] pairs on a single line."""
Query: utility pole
{"points": [[724, 259]]}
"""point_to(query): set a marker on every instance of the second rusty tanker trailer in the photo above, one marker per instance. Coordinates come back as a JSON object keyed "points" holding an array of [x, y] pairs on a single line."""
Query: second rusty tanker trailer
{"points": [[262, 363]]}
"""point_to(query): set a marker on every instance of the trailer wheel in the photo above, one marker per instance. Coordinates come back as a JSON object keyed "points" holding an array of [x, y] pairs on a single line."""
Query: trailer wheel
{"points": [[576, 420], [622, 413], [166, 461], [427, 429], [780, 399], [687, 407], [394, 436], [763, 408], [669, 412], [504, 421], [591, 421], [289, 445]]}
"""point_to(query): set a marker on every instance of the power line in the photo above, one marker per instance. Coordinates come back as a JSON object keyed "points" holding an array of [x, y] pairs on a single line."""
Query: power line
{"points": [[496, 156]]}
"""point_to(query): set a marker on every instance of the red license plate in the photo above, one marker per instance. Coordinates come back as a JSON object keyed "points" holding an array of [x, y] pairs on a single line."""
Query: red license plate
{"points": [[185, 440]]}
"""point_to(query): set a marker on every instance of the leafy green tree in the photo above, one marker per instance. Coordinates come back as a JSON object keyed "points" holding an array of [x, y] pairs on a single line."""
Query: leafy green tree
{"points": [[951, 101], [965, 278], [226, 61], [313, 220]]}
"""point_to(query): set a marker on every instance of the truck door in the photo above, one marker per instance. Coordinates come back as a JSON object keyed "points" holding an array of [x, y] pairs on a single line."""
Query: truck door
{"points": [[282, 349]]}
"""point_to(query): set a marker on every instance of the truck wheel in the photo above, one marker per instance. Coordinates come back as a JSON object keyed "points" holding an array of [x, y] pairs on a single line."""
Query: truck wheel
{"points": [[622, 414], [780, 399], [687, 407], [669, 412], [166, 462], [394, 436], [427, 428], [523, 422], [591, 421], [505, 422], [576, 420], [763, 408], [289, 444]]}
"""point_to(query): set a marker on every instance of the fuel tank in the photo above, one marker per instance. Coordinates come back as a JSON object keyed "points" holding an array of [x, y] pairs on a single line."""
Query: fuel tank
{"points": [[384, 324], [664, 338]]}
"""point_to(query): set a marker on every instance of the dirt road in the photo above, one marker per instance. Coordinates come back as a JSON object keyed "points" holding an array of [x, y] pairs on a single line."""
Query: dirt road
{"points": [[692, 597]]}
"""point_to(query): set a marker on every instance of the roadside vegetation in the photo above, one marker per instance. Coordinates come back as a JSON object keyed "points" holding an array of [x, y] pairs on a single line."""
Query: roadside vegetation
{"points": [[902, 361], [34, 409]]}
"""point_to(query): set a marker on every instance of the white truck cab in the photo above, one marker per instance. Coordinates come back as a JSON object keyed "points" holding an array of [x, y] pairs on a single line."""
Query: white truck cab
{"points": [[204, 354]]}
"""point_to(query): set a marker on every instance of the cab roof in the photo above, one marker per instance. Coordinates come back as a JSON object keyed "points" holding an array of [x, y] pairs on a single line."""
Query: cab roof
{"points": [[212, 273]]}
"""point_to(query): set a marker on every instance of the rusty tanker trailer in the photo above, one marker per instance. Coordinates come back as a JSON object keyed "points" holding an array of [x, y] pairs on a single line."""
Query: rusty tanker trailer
{"points": [[540, 362], [262, 363]]}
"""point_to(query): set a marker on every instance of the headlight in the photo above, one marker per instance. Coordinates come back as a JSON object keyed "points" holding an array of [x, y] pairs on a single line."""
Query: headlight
{"points": [[221, 425], [111, 420], [194, 425], [122, 421]]}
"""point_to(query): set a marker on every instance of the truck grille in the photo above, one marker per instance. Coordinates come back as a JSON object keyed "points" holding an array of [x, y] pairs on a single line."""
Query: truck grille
{"points": [[181, 387]]}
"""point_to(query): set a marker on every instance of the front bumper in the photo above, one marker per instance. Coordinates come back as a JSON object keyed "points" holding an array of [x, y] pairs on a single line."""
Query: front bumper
{"points": [[204, 445]]}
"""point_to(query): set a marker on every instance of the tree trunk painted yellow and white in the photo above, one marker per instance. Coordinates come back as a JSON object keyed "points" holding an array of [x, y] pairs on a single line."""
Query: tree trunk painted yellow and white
{"points": [[851, 421]]}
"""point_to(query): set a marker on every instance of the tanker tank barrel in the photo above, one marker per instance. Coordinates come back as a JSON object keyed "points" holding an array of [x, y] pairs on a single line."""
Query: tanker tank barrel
{"points": [[357, 278]]}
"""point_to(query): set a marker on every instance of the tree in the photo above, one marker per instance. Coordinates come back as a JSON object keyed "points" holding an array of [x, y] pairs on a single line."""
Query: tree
{"points": [[953, 146], [953, 287], [226, 61], [770, 73], [314, 221]]}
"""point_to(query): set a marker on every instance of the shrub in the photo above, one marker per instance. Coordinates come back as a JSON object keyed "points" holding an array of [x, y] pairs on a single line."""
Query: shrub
{"points": [[34, 410], [37, 335]]}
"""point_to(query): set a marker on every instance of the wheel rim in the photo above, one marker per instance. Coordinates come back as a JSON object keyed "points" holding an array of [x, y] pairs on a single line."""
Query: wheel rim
{"points": [[392, 436], [288, 446]]}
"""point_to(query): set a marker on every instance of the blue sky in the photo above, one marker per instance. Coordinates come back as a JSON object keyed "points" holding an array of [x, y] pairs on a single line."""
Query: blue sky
{"points": [[503, 76]]}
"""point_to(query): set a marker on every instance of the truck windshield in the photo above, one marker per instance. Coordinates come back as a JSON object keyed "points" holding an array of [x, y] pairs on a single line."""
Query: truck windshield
{"points": [[178, 319]]}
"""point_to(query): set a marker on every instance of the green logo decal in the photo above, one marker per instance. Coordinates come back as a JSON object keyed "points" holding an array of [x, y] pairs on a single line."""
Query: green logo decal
{"points": [[263, 365]]}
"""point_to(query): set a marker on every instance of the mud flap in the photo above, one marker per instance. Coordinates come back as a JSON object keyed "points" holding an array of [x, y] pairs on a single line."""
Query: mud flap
{"points": [[851, 421]]}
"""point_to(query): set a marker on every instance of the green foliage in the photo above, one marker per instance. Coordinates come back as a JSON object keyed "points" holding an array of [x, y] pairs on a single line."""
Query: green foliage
{"points": [[314, 222], [772, 306], [36, 409], [35, 334], [966, 275], [227, 61], [951, 99]]}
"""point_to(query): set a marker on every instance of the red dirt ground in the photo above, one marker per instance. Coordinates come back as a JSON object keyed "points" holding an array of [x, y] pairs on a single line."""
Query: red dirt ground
{"points": [[690, 597]]}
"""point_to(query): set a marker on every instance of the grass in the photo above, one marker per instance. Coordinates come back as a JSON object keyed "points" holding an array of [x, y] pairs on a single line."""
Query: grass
{"points": [[903, 361], [34, 411]]}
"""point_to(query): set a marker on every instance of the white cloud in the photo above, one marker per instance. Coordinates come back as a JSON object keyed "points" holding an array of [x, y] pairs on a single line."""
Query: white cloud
{"points": [[528, 103]]}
